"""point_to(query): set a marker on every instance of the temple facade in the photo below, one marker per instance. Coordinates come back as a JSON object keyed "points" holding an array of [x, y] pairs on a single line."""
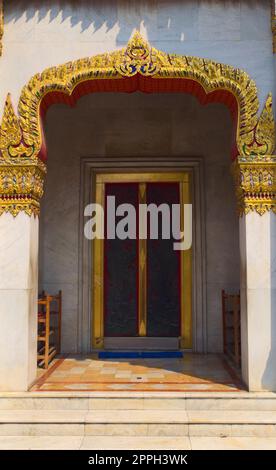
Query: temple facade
{"points": [[157, 102]]}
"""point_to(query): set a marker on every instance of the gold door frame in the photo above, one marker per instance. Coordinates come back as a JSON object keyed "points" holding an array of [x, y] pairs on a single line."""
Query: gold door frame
{"points": [[184, 180]]}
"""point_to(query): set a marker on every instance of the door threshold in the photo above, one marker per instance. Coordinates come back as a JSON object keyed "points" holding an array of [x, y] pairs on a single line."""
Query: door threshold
{"points": [[140, 354], [141, 344]]}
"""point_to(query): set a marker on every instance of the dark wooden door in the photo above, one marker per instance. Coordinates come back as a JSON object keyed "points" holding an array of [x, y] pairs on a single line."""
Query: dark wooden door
{"points": [[126, 261]]}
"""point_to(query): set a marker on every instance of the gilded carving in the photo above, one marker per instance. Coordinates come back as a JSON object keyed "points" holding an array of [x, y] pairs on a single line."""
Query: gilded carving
{"points": [[21, 174], [261, 140], [21, 136], [139, 57], [265, 130], [12, 144], [21, 188], [255, 179]]}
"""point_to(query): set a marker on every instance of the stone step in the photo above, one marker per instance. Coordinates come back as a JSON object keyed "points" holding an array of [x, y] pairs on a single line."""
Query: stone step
{"points": [[138, 423], [135, 443], [102, 443], [243, 402]]}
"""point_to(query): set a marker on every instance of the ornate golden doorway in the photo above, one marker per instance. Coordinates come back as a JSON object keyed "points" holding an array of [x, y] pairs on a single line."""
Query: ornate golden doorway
{"points": [[141, 286]]}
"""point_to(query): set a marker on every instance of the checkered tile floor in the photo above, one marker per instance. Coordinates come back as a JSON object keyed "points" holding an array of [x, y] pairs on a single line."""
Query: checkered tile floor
{"points": [[193, 372]]}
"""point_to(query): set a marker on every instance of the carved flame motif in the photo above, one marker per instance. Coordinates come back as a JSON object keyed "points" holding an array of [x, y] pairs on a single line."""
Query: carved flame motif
{"points": [[11, 138], [21, 175], [265, 129], [261, 140], [10, 132]]}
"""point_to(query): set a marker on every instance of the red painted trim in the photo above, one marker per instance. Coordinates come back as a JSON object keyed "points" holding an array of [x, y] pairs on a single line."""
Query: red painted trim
{"points": [[145, 85], [137, 262], [180, 285], [105, 259]]}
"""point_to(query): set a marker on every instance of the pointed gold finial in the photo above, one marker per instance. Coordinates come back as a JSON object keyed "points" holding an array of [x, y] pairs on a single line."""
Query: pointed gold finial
{"points": [[10, 132], [138, 48], [12, 144], [137, 57], [265, 129]]}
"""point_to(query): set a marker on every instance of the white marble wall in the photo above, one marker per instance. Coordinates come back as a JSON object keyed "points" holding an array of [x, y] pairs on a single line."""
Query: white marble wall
{"points": [[258, 300], [50, 32], [136, 125], [18, 301]]}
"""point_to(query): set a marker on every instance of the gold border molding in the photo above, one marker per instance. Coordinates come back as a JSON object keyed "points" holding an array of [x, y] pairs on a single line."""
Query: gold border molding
{"points": [[273, 25], [1, 25], [21, 138]]}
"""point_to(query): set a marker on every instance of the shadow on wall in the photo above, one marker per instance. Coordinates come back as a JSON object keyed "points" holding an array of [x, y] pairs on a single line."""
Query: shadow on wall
{"points": [[126, 14], [165, 16]]}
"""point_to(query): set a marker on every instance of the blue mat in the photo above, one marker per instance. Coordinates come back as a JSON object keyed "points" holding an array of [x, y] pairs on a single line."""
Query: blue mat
{"points": [[139, 354]]}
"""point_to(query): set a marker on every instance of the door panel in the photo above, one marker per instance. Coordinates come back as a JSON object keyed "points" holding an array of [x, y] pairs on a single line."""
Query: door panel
{"points": [[163, 269], [121, 271], [142, 287]]}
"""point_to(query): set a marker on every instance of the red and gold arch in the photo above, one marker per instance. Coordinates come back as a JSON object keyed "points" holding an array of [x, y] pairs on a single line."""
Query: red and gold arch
{"points": [[137, 67]]}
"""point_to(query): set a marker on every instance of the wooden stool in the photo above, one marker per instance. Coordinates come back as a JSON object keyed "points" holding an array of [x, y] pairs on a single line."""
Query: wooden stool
{"points": [[231, 326], [47, 349]]}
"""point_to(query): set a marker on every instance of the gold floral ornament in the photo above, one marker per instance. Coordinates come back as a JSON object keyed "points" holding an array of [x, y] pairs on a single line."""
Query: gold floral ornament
{"points": [[1, 25], [21, 140], [138, 58]]}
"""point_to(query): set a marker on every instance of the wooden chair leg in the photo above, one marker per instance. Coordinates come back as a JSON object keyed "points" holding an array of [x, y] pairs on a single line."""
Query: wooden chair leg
{"points": [[223, 298], [59, 321], [47, 335]]}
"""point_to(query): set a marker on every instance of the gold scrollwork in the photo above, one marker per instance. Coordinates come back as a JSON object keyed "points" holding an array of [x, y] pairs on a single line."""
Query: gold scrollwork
{"points": [[21, 136], [1, 25], [273, 25]]}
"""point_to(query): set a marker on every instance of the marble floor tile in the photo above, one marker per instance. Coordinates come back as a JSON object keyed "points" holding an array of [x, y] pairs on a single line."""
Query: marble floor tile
{"points": [[193, 372]]}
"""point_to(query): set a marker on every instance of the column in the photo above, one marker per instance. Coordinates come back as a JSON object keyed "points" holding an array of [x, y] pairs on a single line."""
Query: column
{"points": [[258, 300], [18, 300]]}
